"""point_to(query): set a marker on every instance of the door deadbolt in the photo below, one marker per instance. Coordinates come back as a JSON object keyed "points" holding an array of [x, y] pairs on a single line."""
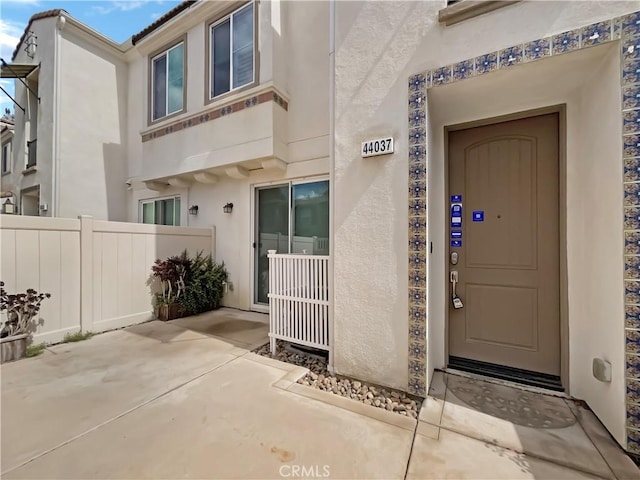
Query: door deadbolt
{"points": [[454, 258]]}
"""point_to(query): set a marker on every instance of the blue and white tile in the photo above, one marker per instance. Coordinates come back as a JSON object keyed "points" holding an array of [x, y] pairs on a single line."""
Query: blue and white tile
{"points": [[631, 145], [616, 28], [633, 441], [441, 76], [416, 385], [417, 172], [632, 267], [417, 118], [511, 56], [595, 34], [565, 42], [417, 367], [632, 292], [486, 63], [463, 70], [632, 366], [418, 188], [631, 72], [417, 101], [631, 48], [631, 194], [632, 316], [632, 169], [633, 390], [417, 313], [632, 247], [417, 154], [537, 49], [418, 82], [417, 242], [418, 135], [633, 415], [417, 259], [417, 279], [631, 97], [631, 121], [417, 297], [417, 207], [632, 218], [418, 226], [631, 24], [633, 341]]}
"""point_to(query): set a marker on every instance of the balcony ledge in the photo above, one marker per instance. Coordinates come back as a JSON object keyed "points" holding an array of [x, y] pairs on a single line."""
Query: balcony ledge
{"points": [[467, 9]]}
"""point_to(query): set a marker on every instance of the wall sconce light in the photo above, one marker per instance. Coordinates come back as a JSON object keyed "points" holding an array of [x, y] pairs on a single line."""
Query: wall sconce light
{"points": [[193, 210], [8, 207], [228, 207], [31, 44]]}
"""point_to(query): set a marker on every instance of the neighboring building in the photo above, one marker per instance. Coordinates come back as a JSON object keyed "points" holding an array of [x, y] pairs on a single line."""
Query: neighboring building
{"points": [[6, 166], [514, 171]]}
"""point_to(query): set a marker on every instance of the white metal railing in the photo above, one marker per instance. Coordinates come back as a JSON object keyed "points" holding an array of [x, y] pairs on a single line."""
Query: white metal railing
{"points": [[299, 299]]}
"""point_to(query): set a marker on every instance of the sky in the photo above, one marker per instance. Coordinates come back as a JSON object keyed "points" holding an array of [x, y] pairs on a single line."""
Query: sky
{"points": [[117, 19]]}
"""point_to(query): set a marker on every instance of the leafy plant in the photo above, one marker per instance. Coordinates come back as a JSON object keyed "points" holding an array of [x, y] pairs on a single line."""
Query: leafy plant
{"points": [[204, 284], [171, 273], [21, 309], [76, 337], [35, 350]]}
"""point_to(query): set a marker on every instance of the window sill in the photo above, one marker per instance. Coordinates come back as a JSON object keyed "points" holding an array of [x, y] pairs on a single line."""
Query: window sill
{"points": [[4, 174], [29, 170], [467, 9]]}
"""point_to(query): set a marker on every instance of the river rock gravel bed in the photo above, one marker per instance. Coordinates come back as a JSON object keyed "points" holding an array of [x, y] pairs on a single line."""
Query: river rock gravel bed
{"points": [[320, 378]]}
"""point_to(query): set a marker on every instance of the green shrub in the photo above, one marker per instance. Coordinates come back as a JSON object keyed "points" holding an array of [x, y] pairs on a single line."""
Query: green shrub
{"points": [[35, 350], [76, 337], [204, 284]]}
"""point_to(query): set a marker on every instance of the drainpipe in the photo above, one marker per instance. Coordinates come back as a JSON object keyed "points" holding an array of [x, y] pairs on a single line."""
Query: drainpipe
{"points": [[332, 179]]}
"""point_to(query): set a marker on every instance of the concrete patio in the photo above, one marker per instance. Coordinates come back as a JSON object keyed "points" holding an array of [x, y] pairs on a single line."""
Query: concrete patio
{"points": [[187, 399]]}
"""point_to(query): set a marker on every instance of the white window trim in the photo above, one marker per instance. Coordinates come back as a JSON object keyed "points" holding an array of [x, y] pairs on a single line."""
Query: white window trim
{"points": [[253, 44], [8, 146], [144, 201], [153, 80]]}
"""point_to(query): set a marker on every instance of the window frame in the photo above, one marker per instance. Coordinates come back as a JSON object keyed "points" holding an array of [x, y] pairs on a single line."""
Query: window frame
{"points": [[150, 83], [211, 24], [8, 145], [153, 201]]}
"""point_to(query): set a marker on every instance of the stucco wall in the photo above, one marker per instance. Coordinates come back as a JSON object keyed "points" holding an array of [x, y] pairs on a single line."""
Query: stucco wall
{"points": [[45, 30], [92, 129], [371, 195], [293, 43]]}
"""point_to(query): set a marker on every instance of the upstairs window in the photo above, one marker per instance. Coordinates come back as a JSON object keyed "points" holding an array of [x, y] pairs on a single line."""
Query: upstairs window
{"points": [[232, 59], [6, 157], [167, 82]]}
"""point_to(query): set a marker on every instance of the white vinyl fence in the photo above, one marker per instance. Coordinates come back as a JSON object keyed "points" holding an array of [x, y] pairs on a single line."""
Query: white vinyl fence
{"points": [[299, 300], [98, 272]]}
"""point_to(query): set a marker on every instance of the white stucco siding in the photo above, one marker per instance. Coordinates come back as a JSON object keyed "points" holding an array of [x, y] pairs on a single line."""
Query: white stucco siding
{"points": [[307, 51], [92, 129], [378, 46], [45, 31]]}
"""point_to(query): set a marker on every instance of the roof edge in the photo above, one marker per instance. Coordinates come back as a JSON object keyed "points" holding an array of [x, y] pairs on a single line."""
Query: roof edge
{"points": [[36, 16], [174, 12]]}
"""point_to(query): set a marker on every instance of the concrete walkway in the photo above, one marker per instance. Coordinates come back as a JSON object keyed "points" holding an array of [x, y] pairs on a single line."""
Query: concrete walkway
{"points": [[186, 399]]}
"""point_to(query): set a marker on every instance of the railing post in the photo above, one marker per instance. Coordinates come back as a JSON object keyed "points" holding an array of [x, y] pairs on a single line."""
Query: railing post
{"points": [[272, 302], [86, 273]]}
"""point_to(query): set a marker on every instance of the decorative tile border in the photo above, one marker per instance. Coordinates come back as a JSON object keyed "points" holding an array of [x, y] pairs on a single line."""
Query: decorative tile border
{"points": [[626, 28], [209, 115]]}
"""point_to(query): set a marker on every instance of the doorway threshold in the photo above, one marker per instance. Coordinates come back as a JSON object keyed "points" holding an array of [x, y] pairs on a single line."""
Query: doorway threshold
{"points": [[510, 374]]}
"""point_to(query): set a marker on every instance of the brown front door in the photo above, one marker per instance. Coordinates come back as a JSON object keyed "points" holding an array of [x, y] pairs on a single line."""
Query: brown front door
{"points": [[508, 258]]}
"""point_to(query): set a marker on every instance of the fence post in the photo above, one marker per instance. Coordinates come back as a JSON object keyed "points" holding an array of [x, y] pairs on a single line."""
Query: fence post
{"points": [[272, 302], [86, 273], [213, 243]]}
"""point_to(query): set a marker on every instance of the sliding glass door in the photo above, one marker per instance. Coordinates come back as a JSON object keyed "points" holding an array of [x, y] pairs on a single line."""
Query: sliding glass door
{"points": [[290, 218]]}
